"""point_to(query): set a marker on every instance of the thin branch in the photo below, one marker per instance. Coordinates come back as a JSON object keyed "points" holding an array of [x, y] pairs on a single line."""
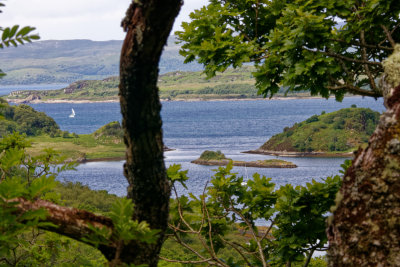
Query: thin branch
{"points": [[180, 211], [351, 59], [6, 261], [210, 232], [177, 229], [212, 250], [331, 54], [268, 231], [247, 251], [309, 258], [388, 36], [237, 250], [198, 233], [355, 43], [366, 67], [349, 74], [354, 89], [256, 24], [260, 250], [179, 240], [395, 28], [187, 262]]}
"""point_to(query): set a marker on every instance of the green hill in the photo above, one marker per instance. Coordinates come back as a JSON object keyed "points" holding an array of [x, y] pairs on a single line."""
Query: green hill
{"points": [[177, 85], [66, 61], [25, 119], [111, 132], [340, 131]]}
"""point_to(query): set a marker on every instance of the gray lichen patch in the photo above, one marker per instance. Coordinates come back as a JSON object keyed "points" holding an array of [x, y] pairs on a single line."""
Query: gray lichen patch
{"points": [[392, 67], [394, 146]]}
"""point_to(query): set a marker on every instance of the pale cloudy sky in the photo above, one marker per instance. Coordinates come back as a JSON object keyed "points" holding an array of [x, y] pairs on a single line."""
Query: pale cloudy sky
{"points": [[77, 19]]}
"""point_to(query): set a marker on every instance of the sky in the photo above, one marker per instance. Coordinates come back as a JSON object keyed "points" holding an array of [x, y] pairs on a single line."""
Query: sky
{"points": [[97, 20]]}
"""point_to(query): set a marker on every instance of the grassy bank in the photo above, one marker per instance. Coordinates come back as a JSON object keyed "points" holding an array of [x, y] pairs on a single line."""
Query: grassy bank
{"points": [[84, 147]]}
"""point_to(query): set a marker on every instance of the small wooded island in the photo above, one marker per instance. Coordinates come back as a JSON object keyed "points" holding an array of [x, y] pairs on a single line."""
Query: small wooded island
{"points": [[217, 158], [335, 134]]}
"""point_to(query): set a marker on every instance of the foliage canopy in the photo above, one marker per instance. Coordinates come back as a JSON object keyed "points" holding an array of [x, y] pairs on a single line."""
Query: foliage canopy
{"points": [[326, 47], [24, 119]]}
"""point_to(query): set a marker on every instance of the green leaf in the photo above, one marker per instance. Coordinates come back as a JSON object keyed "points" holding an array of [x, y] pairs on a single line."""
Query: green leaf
{"points": [[24, 31], [6, 34], [41, 185], [13, 30]]}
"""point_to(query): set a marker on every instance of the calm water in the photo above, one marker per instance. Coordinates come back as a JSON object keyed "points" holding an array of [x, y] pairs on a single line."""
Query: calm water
{"points": [[192, 127]]}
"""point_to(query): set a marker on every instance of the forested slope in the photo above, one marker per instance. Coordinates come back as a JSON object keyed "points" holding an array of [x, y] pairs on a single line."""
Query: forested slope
{"points": [[25, 119]]}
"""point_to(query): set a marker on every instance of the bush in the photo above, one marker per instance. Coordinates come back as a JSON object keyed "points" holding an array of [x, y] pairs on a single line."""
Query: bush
{"points": [[25, 119], [312, 119], [212, 155], [65, 134]]}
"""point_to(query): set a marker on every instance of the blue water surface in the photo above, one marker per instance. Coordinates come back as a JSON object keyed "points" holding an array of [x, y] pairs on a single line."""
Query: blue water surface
{"points": [[192, 127]]}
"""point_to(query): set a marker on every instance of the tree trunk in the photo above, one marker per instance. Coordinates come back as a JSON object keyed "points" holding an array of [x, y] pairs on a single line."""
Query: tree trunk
{"points": [[148, 25], [365, 226]]}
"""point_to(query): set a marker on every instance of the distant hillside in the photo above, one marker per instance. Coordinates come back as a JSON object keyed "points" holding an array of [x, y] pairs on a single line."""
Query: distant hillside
{"points": [[340, 131], [177, 85], [66, 61]]}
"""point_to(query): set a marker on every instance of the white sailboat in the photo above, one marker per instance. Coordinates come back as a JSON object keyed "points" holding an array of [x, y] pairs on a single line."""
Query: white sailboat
{"points": [[72, 114]]}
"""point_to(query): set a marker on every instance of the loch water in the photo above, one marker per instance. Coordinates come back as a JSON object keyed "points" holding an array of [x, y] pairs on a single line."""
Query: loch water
{"points": [[192, 127]]}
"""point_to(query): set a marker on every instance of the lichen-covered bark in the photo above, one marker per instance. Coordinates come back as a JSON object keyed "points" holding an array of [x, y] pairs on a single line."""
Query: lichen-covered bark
{"points": [[148, 25], [365, 226]]}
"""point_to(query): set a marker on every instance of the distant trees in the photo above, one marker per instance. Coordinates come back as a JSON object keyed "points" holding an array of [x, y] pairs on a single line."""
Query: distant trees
{"points": [[324, 47], [25, 119]]}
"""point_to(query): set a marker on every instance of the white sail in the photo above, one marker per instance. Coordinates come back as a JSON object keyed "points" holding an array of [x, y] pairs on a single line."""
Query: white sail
{"points": [[72, 114]]}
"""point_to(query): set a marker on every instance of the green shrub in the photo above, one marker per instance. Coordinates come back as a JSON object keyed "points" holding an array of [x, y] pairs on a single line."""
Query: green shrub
{"points": [[65, 134], [212, 155], [313, 118]]}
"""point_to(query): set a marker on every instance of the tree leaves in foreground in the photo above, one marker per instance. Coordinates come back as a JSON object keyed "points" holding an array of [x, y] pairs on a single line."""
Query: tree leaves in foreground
{"points": [[324, 47], [227, 218], [218, 227], [26, 179]]}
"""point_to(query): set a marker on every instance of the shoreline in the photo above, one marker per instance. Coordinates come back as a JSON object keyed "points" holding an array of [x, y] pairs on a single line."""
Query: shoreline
{"points": [[292, 154], [119, 158], [101, 159], [83, 101], [251, 164]]}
